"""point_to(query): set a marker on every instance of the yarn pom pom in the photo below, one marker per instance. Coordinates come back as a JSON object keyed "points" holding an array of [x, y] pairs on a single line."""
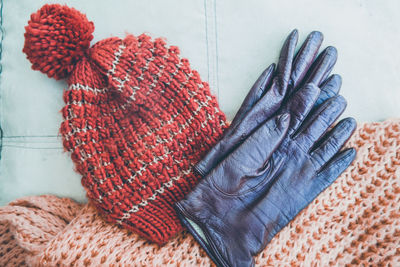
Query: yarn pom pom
{"points": [[56, 37]]}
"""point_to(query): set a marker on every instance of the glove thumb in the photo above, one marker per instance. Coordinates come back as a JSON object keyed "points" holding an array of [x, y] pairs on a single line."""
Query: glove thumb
{"points": [[250, 159]]}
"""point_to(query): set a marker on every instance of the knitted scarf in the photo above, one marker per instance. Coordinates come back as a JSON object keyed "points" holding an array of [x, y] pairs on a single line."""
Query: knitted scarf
{"points": [[355, 222]]}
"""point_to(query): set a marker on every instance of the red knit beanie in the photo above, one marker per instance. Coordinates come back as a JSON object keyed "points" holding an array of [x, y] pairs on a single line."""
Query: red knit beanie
{"points": [[136, 117]]}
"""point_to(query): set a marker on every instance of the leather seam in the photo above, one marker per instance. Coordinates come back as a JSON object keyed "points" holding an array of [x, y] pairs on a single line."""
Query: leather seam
{"points": [[254, 188]]}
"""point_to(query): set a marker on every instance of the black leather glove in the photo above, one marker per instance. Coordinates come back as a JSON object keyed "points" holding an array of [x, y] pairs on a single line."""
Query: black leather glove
{"points": [[271, 88], [264, 183]]}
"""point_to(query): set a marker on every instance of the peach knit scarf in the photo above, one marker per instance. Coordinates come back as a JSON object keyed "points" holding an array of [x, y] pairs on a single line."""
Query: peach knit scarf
{"points": [[356, 221]]}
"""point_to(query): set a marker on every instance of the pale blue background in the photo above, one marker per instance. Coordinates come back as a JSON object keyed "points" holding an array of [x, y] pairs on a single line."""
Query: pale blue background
{"points": [[228, 42]]}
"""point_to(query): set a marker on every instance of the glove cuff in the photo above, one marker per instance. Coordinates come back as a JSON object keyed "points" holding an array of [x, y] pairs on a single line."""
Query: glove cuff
{"points": [[199, 233]]}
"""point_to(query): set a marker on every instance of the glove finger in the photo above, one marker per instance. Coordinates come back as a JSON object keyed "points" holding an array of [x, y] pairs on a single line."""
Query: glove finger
{"points": [[272, 99], [329, 88], [300, 104], [331, 171], [259, 113], [234, 136], [320, 121], [255, 93], [251, 157], [322, 66], [333, 142], [281, 80], [278, 88], [304, 58]]}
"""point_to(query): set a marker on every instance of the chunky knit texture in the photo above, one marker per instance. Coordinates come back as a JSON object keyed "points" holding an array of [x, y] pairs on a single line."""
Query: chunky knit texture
{"points": [[136, 118], [354, 222], [56, 38]]}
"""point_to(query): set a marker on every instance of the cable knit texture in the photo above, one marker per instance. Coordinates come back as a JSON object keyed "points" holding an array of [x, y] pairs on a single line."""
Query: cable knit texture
{"points": [[136, 118], [354, 222]]}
